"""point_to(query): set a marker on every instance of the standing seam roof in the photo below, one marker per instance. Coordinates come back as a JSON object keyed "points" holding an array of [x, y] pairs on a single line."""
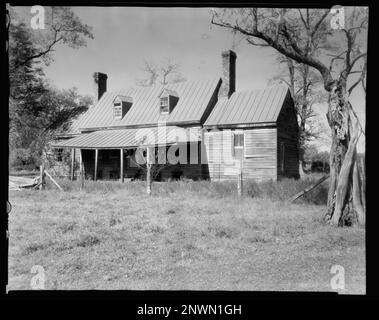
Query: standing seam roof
{"points": [[249, 107], [123, 138], [193, 100]]}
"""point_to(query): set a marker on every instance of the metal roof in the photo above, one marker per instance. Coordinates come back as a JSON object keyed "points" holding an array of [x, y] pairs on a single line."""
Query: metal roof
{"points": [[169, 92], [123, 138], [124, 98], [75, 123], [194, 98], [249, 107]]}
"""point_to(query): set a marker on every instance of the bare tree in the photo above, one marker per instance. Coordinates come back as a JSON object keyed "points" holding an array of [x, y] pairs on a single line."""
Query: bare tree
{"points": [[306, 89], [151, 160], [294, 33], [166, 73]]}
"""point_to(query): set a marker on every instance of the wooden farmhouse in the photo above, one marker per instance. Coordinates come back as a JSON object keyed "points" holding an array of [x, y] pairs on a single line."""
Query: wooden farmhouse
{"points": [[206, 129]]}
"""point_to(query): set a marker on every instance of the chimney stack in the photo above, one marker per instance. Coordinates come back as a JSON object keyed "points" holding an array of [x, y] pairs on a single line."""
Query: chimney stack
{"points": [[100, 84], [228, 85]]}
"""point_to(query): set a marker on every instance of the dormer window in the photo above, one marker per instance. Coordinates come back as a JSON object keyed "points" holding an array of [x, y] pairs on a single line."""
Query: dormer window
{"points": [[167, 101], [117, 110], [121, 106], [165, 108]]}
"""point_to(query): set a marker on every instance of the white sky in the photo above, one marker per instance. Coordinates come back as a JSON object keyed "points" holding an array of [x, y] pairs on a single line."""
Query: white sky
{"points": [[124, 37]]}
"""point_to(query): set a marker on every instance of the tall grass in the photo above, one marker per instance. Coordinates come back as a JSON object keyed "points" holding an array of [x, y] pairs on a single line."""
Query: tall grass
{"points": [[187, 236], [286, 188], [273, 190]]}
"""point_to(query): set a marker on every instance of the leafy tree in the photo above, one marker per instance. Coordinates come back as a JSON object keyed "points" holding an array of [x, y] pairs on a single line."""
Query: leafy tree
{"points": [[61, 26], [34, 132], [341, 62], [37, 111]]}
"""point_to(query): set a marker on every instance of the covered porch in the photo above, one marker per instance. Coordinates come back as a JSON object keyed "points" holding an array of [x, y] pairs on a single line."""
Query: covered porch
{"points": [[111, 154]]}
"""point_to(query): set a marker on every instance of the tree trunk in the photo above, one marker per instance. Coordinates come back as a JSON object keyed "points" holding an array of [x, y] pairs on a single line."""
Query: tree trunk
{"points": [[148, 179], [345, 205], [148, 171]]}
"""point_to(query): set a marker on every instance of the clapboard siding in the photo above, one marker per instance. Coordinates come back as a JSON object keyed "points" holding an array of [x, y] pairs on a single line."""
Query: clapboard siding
{"points": [[269, 152], [260, 160], [288, 137]]}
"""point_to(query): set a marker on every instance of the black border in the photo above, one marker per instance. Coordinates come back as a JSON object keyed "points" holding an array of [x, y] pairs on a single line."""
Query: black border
{"points": [[138, 298]]}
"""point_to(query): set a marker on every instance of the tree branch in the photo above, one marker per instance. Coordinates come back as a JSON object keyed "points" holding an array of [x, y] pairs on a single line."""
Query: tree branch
{"points": [[295, 54], [360, 79], [318, 23], [41, 53]]}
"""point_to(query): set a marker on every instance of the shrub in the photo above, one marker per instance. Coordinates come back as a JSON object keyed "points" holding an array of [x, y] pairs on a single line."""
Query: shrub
{"points": [[23, 159]]}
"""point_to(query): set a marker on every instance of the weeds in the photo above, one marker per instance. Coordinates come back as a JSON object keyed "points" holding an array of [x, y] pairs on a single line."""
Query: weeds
{"points": [[273, 190], [186, 236], [87, 241]]}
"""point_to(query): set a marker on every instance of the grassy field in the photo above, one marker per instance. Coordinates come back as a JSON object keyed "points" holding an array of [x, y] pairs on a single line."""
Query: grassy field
{"points": [[186, 236]]}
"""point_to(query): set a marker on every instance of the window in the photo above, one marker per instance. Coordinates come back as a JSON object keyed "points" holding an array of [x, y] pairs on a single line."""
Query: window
{"points": [[58, 155], [121, 105], [211, 156], [117, 110], [164, 105], [167, 101], [238, 144]]}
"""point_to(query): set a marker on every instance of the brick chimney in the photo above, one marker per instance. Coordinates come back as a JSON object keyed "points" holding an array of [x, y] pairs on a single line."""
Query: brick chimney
{"points": [[228, 85], [99, 85]]}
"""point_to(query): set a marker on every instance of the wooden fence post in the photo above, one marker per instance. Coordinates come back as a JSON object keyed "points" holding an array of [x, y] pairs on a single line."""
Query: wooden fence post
{"points": [[42, 177], [148, 171], [240, 184]]}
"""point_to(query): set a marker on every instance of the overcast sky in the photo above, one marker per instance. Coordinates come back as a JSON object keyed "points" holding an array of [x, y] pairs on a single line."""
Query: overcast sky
{"points": [[124, 37]]}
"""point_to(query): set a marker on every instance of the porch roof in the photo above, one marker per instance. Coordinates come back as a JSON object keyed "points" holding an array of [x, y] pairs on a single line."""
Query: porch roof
{"points": [[129, 138]]}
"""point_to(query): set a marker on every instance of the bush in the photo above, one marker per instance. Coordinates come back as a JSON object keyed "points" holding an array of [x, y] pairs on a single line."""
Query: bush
{"points": [[318, 161], [23, 159], [320, 166]]}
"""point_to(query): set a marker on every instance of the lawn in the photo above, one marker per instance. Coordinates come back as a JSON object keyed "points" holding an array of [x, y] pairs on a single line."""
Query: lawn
{"points": [[186, 236]]}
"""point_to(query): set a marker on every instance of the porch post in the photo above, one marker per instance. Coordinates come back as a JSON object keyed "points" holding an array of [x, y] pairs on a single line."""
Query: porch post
{"points": [[81, 170], [72, 164], [122, 165], [96, 160]]}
